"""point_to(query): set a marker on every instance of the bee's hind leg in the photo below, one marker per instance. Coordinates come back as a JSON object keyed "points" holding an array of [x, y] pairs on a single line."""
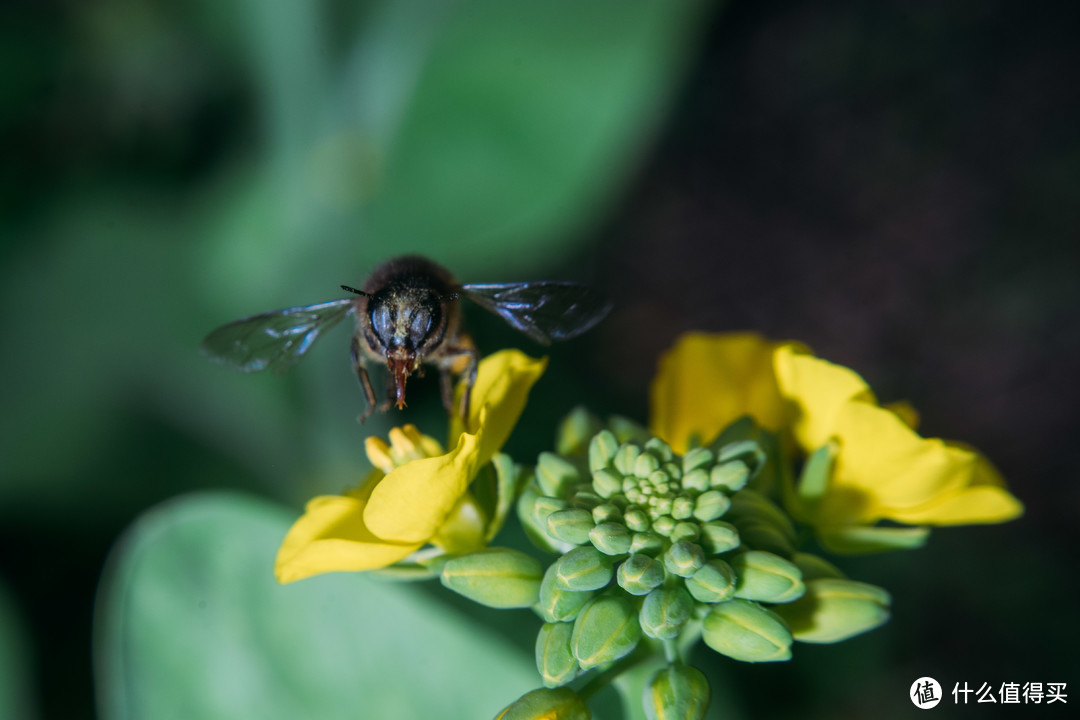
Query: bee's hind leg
{"points": [[449, 369]]}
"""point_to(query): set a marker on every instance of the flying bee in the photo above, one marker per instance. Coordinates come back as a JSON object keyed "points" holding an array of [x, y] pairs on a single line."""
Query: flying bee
{"points": [[408, 313]]}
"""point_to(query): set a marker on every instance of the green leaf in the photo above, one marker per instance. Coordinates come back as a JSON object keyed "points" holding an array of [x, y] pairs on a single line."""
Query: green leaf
{"points": [[192, 625], [524, 118]]}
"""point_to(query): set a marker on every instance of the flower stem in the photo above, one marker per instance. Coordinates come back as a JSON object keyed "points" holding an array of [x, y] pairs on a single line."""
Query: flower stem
{"points": [[603, 679]]}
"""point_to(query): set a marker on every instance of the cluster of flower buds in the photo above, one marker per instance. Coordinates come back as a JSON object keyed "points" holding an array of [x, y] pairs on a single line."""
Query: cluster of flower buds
{"points": [[652, 542], [661, 549]]}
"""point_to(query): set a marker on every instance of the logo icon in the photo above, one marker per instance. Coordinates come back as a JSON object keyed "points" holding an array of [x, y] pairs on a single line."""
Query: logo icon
{"points": [[925, 693]]}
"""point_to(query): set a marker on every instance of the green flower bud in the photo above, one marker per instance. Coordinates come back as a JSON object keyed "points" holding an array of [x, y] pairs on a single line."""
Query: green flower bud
{"points": [[537, 532], [813, 567], [646, 464], [660, 480], [673, 471], [744, 630], [555, 659], [647, 543], [606, 512], [713, 582], [677, 692], [748, 452], [660, 449], [764, 536], [662, 506], [496, 577], [625, 458], [697, 458], [571, 525], [606, 482], [718, 537], [664, 525], [605, 630], [575, 432], [555, 474], [546, 704], [747, 504], [729, 476], [665, 611], [685, 531], [684, 558], [766, 577], [639, 574], [586, 498], [557, 604], [682, 508], [636, 519], [543, 506], [610, 538], [711, 505], [835, 609], [697, 480], [583, 568], [628, 431], [602, 449]]}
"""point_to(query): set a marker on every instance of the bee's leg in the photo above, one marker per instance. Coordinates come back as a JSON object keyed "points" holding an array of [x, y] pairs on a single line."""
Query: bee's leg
{"points": [[470, 380], [391, 398], [365, 381], [449, 368], [446, 385]]}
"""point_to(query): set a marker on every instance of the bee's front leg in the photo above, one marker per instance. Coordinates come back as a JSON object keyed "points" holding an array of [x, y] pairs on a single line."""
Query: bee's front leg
{"points": [[365, 381]]}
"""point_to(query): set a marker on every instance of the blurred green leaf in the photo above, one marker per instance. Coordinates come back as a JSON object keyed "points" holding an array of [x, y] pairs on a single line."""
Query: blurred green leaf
{"points": [[485, 133], [191, 624], [524, 119], [15, 701]]}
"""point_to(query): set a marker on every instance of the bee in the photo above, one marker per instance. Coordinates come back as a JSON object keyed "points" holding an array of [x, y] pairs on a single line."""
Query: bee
{"points": [[408, 313]]}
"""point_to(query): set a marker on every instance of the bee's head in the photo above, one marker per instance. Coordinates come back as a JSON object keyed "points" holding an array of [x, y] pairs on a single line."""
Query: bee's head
{"points": [[405, 325]]}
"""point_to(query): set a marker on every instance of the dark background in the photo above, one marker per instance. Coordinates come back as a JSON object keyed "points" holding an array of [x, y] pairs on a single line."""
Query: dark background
{"points": [[893, 183]]}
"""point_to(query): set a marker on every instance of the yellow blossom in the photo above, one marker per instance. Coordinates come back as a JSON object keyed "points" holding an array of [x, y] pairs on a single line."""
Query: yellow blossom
{"points": [[881, 468], [707, 381], [418, 493]]}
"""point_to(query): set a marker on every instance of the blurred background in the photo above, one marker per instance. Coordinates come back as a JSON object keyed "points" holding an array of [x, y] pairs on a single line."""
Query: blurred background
{"points": [[893, 183]]}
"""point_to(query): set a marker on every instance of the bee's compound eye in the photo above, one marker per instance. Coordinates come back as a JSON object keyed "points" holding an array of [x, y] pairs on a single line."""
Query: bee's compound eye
{"points": [[382, 321], [422, 322]]}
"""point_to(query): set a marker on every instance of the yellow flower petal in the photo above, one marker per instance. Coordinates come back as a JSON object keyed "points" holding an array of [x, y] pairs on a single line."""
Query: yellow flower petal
{"points": [[331, 535], [414, 499], [983, 500], [888, 465], [708, 381], [503, 381], [820, 389], [883, 468], [906, 412]]}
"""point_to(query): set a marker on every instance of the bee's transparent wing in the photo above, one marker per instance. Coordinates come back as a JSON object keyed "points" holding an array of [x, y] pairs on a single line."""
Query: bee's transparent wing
{"points": [[275, 340], [545, 311]]}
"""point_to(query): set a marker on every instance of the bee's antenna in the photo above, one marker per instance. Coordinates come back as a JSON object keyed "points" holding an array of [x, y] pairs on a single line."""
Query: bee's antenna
{"points": [[354, 291]]}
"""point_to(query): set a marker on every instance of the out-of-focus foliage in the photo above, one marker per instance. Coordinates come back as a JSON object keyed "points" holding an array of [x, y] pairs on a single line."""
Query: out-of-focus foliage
{"points": [[485, 134], [16, 701], [193, 625]]}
